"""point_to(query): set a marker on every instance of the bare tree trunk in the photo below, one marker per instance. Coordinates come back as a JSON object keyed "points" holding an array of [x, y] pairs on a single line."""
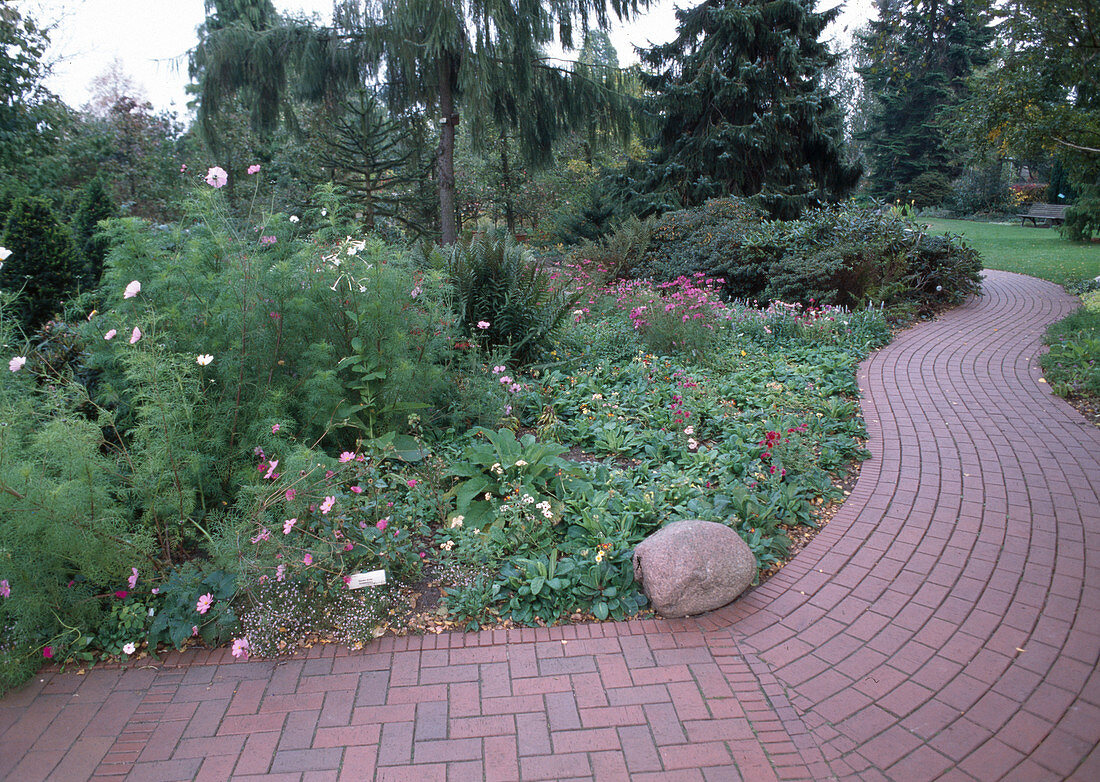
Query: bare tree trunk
{"points": [[509, 212], [448, 229]]}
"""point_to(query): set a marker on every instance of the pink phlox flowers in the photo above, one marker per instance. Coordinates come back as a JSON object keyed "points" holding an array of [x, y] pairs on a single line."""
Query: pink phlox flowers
{"points": [[204, 603], [132, 290], [254, 168], [326, 506], [288, 525], [216, 177], [240, 647], [110, 334], [17, 363], [132, 580], [346, 457], [135, 335]]}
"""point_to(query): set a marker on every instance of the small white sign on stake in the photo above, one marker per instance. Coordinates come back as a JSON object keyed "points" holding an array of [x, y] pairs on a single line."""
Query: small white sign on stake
{"points": [[371, 579]]}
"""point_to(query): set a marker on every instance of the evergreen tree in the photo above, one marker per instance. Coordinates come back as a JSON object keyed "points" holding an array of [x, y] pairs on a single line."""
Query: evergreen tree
{"points": [[95, 205], [916, 58], [43, 262], [742, 110], [433, 55]]}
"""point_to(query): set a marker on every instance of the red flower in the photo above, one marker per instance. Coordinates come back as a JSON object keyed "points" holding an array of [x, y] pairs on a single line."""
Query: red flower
{"points": [[47, 652], [121, 594]]}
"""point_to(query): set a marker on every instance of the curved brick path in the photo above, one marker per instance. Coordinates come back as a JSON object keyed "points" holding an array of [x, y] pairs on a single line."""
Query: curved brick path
{"points": [[945, 624]]}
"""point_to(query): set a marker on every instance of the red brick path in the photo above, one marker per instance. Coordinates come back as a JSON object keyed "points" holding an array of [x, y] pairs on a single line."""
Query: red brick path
{"points": [[945, 625]]}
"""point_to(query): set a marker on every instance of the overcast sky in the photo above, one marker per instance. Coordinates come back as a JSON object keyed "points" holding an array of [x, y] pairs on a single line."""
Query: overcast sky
{"points": [[151, 38]]}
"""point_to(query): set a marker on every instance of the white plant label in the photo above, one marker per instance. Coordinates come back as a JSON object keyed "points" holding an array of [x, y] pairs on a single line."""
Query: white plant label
{"points": [[372, 579]]}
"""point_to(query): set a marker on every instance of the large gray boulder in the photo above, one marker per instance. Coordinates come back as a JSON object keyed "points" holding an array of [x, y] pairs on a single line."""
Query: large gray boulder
{"points": [[690, 567]]}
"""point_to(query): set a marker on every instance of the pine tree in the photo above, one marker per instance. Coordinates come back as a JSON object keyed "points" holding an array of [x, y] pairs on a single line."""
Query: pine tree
{"points": [[433, 55], [95, 205], [41, 268], [918, 55], [742, 110]]}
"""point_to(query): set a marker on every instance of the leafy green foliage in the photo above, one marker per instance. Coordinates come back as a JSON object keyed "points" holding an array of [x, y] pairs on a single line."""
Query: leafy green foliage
{"points": [[498, 282], [44, 267], [95, 205], [1072, 366]]}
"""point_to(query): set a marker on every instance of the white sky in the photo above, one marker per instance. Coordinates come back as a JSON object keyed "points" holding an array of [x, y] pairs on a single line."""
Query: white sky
{"points": [[151, 38]]}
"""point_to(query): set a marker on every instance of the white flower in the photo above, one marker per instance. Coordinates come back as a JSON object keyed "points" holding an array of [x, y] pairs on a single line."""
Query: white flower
{"points": [[521, 463], [693, 444], [294, 218], [132, 290], [129, 648], [204, 359], [448, 545], [547, 514], [487, 496], [456, 522], [5, 253], [505, 508], [496, 468], [324, 213], [528, 499], [689, 431], [17, 363]]}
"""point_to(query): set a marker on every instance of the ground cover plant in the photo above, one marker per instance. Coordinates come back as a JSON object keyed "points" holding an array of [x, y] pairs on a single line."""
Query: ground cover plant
{"points": [[250, 412]]}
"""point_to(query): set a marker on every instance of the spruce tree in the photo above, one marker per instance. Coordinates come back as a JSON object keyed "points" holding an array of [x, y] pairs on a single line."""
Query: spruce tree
{"points": [[917, 58], [742, 110]]}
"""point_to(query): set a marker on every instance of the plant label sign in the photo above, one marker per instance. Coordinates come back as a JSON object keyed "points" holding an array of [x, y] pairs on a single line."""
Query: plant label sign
{"points": [[372, 579]]}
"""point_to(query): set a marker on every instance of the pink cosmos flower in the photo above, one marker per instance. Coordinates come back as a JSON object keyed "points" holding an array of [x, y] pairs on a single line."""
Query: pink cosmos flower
{"points": [[274, 428], [5, 588], [110, 334], [204, 359], [240, 645], [346, 457], [204, 603], [121, 594], [263, 534], [268, 239], [382, 523], [183, 168], [291, 494], [483, 324], [17, 363], [498, 370], [288, 525], [132, 290], [280, 572], [504, 381], [412, 482], [271, 469], [132, 580], [308, 559], [135, 335], [47, 652], [349, 546], [194, 630], [254, 168], [216, 177], [326, 506], [357, 489]]}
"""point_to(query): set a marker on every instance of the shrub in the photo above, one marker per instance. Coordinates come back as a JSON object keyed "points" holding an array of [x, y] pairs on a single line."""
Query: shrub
{"points": [[980, 190], [931, 188], [503, 297], [95, 205], [44, 265]]}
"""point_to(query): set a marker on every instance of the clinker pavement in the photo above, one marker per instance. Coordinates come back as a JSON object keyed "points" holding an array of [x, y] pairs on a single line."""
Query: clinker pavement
{"points": [[946, 624]]}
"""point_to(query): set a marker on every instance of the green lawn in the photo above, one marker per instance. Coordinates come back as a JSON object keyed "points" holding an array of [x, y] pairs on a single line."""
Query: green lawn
{"points": [[1040, 252]]}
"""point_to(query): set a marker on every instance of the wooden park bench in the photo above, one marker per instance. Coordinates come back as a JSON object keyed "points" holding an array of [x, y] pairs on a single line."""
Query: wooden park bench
{"points": [[1050, 214]]}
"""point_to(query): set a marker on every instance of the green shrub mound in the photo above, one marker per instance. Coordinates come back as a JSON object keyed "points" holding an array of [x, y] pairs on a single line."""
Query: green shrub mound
{"points": [[44, 266], [841, 255]]}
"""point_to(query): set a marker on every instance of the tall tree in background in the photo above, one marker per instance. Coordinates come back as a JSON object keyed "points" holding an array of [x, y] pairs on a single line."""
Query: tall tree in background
{"points": [[916, 58], [431, 55], [742, 110], [1042, 97]]}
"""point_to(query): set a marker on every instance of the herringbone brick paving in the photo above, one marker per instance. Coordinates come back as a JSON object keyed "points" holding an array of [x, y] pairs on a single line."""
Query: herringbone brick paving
{"points": [[946, 624]]}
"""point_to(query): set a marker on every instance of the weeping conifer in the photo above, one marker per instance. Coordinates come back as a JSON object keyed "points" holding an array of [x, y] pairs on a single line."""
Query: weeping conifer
{"points": [[742, 110], [428, 55]]}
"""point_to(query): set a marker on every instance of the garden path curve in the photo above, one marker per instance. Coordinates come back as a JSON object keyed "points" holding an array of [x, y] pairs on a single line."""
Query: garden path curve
{"points": [[946, 624]]}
